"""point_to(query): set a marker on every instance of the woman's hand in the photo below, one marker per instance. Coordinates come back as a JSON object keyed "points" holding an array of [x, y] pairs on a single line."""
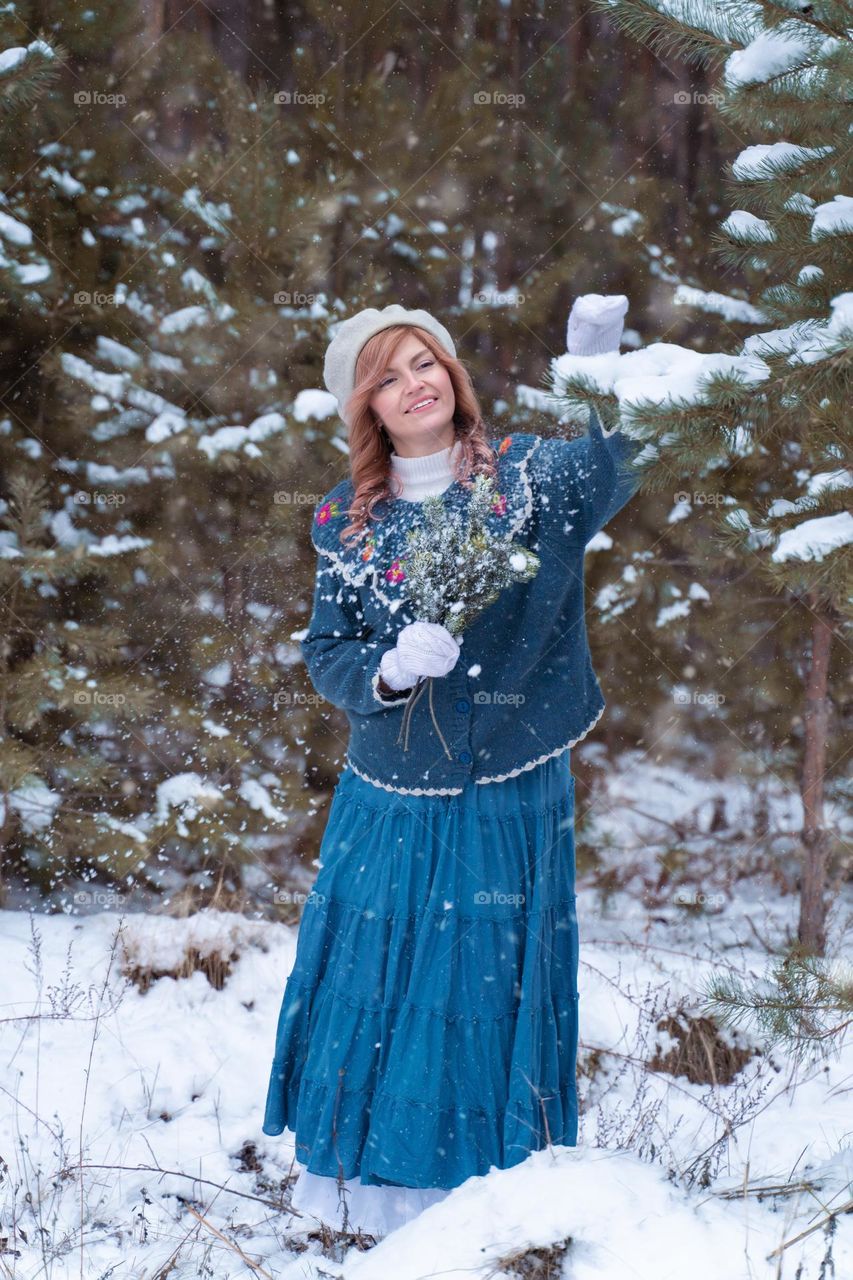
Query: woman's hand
{"points": [[422, 649], [595, 324]]}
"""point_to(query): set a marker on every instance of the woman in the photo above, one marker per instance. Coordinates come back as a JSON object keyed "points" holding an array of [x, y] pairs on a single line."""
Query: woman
{"points": [[428, 1030]]}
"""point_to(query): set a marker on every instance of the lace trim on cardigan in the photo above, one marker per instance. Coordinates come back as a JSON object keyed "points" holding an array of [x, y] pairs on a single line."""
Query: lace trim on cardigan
{"points": [[501, 777], [407, 791], [531, 764]]}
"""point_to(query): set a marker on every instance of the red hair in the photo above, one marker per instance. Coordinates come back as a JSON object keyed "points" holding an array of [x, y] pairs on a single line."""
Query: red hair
{"points": [[369, 443]]}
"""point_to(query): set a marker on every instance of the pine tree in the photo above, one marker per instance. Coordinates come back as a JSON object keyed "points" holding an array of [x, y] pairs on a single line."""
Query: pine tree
{"points": [[763, 430], [156, 470], [197, 374], [803, 1002], [63, 668]]}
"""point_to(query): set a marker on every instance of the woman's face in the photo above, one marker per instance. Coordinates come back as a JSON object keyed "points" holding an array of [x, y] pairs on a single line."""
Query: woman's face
{"points": [[414, 376]]}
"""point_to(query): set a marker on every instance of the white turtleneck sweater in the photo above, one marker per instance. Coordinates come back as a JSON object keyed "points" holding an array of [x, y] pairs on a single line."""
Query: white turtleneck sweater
{"points": [[423, 477]]}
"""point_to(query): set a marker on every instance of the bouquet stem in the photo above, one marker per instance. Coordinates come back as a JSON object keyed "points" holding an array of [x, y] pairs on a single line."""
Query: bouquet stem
{"points": [[417, 693]]}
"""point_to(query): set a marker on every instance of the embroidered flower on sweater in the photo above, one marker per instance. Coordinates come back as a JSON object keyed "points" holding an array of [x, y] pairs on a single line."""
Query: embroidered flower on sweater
{"points": [[396, 572], [504, 444], [328, 510], [369, 546], [499, 504]]}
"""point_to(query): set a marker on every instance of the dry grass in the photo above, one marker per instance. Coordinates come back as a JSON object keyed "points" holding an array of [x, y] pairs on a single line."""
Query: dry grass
{"points": [[545, 1262], [215, 967], [701, 1054]]}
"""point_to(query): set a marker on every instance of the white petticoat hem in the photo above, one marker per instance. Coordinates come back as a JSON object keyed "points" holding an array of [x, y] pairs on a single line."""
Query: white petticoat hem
{"points": [[373, 1210]]}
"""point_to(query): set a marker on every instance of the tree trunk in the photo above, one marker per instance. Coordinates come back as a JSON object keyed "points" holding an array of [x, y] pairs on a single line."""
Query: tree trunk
{"points": [[813, 906]]}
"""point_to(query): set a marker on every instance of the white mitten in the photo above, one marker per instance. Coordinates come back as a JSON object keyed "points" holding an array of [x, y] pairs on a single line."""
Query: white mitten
{"points": [[422, 649], [595, 324], [392, 673]]}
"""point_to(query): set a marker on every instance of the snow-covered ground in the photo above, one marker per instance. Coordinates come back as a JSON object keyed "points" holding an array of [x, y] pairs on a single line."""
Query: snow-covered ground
{"points": [[132, 1103]]}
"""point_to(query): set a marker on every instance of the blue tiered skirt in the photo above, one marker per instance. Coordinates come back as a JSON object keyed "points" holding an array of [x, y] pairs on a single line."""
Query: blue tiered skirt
{"points": [[428, 1029]]}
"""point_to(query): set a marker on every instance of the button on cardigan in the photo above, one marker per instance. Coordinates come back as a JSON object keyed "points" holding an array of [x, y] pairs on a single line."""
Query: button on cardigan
{"points": [[523, 689]]}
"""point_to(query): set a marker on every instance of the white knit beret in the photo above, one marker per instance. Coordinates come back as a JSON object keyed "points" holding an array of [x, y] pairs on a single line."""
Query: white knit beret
{"points": [[351, 335]]}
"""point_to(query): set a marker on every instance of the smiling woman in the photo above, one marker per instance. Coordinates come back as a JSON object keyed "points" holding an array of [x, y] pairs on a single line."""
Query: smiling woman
{"points": [[428, 1029], [415, 402], [396, 369]]}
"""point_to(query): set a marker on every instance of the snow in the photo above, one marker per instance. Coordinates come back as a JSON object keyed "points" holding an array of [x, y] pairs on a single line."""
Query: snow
{"points": [[627, 223], [825, 481], [807, 341], [230, 439], [661, 372], [97, 473], [10, 59], [14, 231], [257, 797], [215, 216], [770, 54], [153, 1087], [218, 676], [765, 161], [117, 353], [561, 1196], [32, 272], [168, 423], [214, 729], [314, 403], [678, 609], [114, 546], [65, 532], [184, 791], [799, 202], [833, 218], [108, 384], [841, 320], [184, 319], [731, 309], [815, 539], [67, 184], [745, 228], [35, 804]]}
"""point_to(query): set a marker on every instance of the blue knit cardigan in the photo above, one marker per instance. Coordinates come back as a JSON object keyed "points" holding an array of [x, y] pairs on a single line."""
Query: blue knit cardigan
{"points": [[523, 689]]}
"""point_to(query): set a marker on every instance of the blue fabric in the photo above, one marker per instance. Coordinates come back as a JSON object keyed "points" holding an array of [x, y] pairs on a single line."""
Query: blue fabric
{"points": [[428, 1029], [524, 685]]}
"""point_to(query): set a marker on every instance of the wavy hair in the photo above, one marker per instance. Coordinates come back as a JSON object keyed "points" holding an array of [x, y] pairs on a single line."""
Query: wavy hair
{"points": [[370, 445]]}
